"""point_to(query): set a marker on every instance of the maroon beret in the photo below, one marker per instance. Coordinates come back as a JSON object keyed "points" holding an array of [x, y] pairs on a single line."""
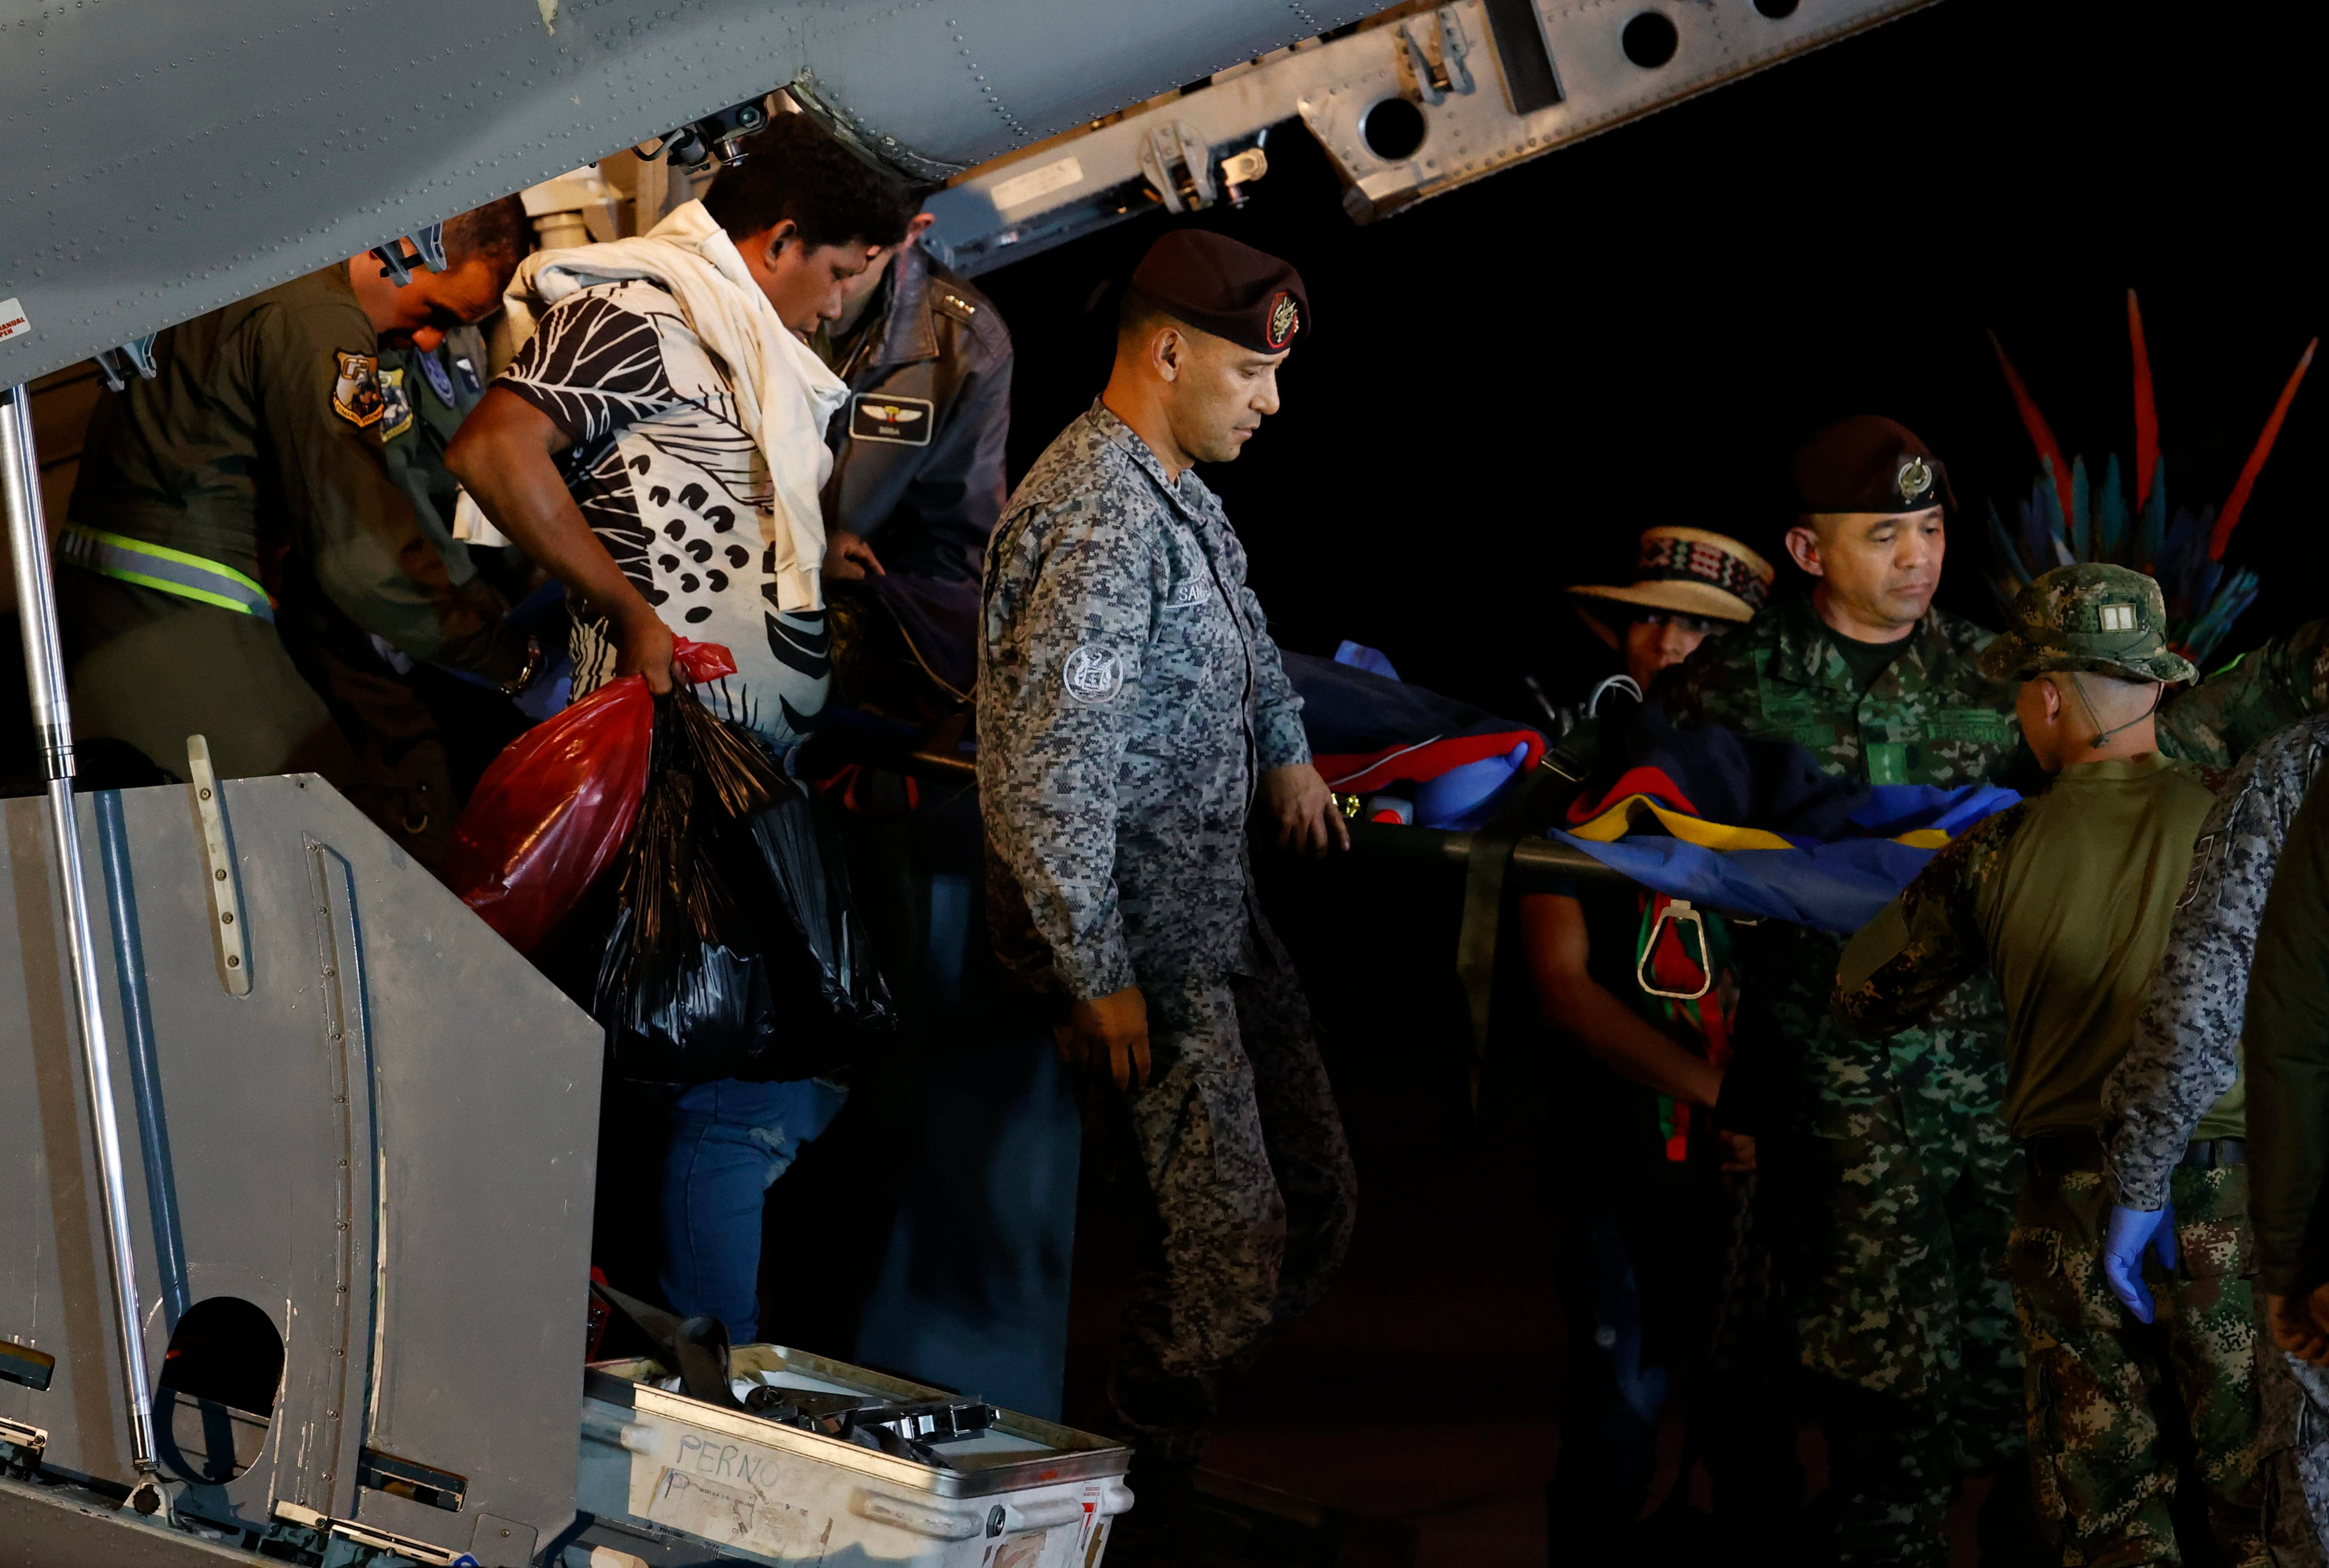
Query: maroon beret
{"points": [[1220, 286], [1869, 463]]}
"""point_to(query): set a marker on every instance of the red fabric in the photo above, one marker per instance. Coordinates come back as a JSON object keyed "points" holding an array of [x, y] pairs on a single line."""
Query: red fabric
{"points": [[555, 807], [1356, 774], [1654, 781]]}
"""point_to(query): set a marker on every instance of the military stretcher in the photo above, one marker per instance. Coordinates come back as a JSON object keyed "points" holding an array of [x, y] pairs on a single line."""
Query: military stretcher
{"points": [[299, 1172]]}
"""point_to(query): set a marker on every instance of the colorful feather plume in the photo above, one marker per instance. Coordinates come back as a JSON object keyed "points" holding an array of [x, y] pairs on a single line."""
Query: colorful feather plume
{"points": [[2069, 519]]}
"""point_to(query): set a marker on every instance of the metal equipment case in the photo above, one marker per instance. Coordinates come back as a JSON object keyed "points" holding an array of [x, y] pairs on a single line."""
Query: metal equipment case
{"points": [[1028, 1495]]}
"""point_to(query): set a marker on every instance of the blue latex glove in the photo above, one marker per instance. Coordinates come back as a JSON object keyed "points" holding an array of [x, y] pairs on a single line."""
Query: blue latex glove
{"points": [[2130, 1231]]}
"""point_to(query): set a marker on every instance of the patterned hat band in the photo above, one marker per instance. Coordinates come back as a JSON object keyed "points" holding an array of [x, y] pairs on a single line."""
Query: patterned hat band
{"points": [[1669, 559]]}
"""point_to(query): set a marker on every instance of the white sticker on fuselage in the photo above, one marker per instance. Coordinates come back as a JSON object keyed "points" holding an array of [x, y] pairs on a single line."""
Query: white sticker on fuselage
{"points": [[1036, 184], [11, 320]]}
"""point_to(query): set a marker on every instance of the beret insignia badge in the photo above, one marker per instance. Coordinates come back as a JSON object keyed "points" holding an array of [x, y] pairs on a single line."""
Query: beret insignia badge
{"points": [[1285, 321], [1914, 478]]}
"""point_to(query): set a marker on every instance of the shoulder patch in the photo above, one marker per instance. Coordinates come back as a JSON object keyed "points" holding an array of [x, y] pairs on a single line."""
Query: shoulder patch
{"points": [[356, 391], [440, 380], [396, 405], [947, 302], [2201, 852], [1092, 674]]}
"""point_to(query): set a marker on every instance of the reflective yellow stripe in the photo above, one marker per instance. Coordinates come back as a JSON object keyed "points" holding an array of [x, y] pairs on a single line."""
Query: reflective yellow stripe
{"points": [[164, 569]]}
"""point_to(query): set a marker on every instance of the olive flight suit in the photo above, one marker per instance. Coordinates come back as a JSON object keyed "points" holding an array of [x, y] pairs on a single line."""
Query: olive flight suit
{"points": [[400, 737], [1888, 1170], [250, 475]]}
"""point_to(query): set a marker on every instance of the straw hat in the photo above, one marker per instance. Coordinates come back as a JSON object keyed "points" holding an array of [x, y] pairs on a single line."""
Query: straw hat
{"points": [[1684, 571]]}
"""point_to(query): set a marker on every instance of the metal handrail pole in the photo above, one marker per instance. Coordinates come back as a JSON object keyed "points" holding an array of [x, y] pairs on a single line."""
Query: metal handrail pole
{"points": [[44, 671]]}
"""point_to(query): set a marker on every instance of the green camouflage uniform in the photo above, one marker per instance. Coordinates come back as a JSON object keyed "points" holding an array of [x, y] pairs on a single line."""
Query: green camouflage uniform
{"points": [[2068, 898], [1888, 1170]]}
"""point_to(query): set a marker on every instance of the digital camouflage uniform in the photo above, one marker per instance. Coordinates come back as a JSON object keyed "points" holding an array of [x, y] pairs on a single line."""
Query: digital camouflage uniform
{"points": [[1888, 1173], [1128, 697], [2185, 1060]]}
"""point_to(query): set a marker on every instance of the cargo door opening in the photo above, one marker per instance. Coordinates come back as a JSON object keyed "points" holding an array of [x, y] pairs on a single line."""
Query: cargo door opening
{"points": [[216, 1394]]}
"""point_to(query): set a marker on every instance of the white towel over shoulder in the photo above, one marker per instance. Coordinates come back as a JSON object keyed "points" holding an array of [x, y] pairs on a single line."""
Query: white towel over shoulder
{"points": [[785, 397]]}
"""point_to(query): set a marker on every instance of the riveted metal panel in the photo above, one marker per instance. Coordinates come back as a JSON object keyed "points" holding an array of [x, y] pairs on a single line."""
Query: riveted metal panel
{"points": [[164, 160], [386, 1146]]}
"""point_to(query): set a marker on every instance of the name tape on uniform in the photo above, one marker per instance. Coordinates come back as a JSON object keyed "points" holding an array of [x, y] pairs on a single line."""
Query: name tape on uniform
{"points": [[878, 416], [11, 320]]}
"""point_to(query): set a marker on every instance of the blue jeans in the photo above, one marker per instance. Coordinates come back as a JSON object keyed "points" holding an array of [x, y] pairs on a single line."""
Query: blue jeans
{"points": [[727, 1142]]}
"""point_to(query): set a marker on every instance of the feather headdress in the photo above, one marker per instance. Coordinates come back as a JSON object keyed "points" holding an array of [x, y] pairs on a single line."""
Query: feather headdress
{"points": [[2067, 519]]}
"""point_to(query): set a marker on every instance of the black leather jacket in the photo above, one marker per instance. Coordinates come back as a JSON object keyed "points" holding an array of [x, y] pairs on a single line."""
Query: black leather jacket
{"points": [[919, 463]]}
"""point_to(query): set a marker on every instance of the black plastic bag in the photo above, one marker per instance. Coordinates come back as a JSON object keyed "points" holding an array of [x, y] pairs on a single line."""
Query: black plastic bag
{"points": [[732, 950], [811, 882]]}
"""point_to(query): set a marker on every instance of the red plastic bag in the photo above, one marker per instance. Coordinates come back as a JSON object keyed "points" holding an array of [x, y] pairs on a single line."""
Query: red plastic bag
{"points": [[555, 808]]}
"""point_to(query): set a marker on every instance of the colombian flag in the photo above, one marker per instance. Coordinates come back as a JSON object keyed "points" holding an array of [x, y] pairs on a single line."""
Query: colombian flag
{"points": [[1753, 826]]}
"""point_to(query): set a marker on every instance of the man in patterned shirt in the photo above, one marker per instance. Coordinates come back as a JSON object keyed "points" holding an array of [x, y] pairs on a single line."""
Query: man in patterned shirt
{"points": [[1131, 707], [658, 445]]}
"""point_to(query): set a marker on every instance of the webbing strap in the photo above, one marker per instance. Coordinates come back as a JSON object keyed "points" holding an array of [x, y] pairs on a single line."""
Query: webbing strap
{"points": [[158, 567]]}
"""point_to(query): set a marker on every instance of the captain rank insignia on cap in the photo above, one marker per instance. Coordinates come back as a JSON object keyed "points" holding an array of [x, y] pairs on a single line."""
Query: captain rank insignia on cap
{"points": [[356, 391], [2115, 618], [1914, 478], [1285, 321], [881, 416]]}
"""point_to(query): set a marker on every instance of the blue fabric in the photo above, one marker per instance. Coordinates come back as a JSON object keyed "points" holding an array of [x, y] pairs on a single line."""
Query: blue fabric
{"points": [[726, 1144], [1347, 710], [1845, 867], [1358, 656], [1836, 887], [1464, 797]]}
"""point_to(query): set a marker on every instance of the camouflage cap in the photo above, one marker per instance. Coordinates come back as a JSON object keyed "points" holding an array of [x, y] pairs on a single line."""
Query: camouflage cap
{"points": [[2092, 616]]}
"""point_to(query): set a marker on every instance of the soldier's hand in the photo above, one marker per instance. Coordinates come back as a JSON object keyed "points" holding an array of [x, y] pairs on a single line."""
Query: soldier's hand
{"points": [[1108, 1035], [1302, 811], [848, 557], [2125, 1238], [643, 646], [2297, 1325], [1738, 1152]]}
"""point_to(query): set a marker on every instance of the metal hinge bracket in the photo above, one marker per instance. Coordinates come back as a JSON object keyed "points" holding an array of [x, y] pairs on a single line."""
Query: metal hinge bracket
{"points": [[226, 901]]}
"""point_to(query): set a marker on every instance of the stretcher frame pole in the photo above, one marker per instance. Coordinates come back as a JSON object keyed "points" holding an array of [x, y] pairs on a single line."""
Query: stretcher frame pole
{"points": [[45, 670]]}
